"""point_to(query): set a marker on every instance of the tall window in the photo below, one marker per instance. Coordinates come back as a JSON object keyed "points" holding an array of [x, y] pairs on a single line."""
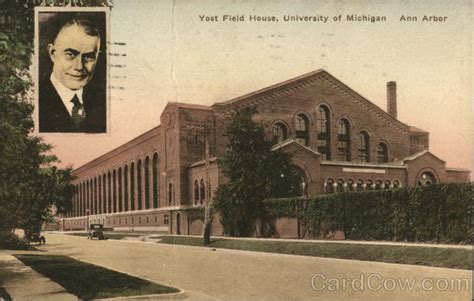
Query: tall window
{"points": [[382, 153], [301, 127], [364, 153], [170, 194], [196, 191], [104, 193], [147, 183], [155, 180], [279, 132], [125, 188], [202, 191], [114, 192], [343, 140], [132, 186], [323, 122], [84, 198], [95, 196], [139, 184], [80, 199], [99, 186], [120, 191], [88, 196], [109, 190]]}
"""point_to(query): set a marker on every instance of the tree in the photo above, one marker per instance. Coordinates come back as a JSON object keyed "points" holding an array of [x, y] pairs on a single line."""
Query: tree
{"points": [[254, 173], [29, 183]]}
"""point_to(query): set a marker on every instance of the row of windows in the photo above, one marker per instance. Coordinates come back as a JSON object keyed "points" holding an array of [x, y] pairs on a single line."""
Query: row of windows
{"points": [[111, 192], [341, 185], [200, 191], [280, 133]]}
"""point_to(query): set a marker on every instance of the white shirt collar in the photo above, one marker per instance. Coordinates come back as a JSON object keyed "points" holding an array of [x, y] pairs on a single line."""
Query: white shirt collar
{"points": [[66, 94]]}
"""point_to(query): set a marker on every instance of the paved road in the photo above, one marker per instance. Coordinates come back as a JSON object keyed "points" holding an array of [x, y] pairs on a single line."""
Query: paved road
{"points": [[235, 275]]}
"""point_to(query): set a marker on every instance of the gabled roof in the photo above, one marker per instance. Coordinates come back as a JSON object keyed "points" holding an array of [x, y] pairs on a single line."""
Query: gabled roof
{"points": [[420, 154], [293, 83], [270, 88], [292, 141]]}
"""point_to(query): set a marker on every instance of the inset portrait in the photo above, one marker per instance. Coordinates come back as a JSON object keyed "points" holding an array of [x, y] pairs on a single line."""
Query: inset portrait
{"points": [[72, 71]]}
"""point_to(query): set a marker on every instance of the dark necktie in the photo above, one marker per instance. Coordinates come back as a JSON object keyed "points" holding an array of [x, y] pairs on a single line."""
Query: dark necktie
{"points": [[78, 113]]}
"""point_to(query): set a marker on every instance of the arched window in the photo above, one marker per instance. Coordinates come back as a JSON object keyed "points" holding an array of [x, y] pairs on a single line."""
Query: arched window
{"points": [[155, 180], [301, 127], [343, 140], [379, 185], [125, 188], [279, 132], [147, 182], [388, 184], [382, 153], [329, 186], [360, 185], [351, 185], [139, 184], [425, 179], [323, 122], [396, 184], [196, 192], [132, 186], [370, 185], [202, 191], [299, 183], [340, 185], [364, 153]]}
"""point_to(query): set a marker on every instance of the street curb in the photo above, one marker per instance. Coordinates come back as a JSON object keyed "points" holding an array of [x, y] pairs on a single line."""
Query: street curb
{"points": [[178, 295]]}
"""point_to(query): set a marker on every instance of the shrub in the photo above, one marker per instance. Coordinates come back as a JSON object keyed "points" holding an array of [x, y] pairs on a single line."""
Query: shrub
{"points": [[11, 241], [439, 213]]}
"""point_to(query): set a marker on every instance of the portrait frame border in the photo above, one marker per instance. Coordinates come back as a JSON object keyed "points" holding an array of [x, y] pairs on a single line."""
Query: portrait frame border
{"points": [[35, 68]]}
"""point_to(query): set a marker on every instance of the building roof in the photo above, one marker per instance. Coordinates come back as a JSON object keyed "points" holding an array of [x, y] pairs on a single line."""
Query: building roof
{"points": [[420, 154], [251, 98], [191, 106], [292, 141]]}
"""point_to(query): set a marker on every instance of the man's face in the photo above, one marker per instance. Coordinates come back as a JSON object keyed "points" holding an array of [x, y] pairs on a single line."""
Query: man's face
{"points": [[74, 55]]}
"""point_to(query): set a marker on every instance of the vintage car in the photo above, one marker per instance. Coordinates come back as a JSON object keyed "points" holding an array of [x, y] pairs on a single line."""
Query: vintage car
{"points": [[96, 231], [34, 237]]}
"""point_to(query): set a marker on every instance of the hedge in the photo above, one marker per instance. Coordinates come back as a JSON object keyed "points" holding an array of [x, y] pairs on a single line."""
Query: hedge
{"points": [[10, 241], [436, 213]]}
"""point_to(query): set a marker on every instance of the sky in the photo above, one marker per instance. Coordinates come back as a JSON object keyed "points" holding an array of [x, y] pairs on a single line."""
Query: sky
{"points": [[170, 54]]}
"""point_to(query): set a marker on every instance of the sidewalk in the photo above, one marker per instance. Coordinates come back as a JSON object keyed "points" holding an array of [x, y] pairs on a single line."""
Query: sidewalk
{"points": [[23, 283], [146, 235]]}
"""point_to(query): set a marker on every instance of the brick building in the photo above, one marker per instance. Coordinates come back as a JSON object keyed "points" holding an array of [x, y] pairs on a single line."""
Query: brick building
{"points": [[338, 139]]}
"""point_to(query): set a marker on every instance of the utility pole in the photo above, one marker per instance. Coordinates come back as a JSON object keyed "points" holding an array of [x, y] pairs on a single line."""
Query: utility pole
{"points": [[209, 199]]}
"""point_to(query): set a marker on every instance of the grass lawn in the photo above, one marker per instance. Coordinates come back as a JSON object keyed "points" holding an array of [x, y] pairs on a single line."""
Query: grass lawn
{"points": [[437, 257], [111, 235], [88, 281]]}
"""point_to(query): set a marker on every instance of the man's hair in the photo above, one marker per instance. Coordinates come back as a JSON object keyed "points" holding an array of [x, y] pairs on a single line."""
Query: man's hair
{"points": [[64, 20]]}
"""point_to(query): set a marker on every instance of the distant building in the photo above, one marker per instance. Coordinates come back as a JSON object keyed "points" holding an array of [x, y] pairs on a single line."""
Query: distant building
{"points": [[339, 141]]}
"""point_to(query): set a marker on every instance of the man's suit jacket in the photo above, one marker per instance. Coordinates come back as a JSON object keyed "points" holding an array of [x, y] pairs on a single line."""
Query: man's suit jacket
{"points": [[54, 117]]}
